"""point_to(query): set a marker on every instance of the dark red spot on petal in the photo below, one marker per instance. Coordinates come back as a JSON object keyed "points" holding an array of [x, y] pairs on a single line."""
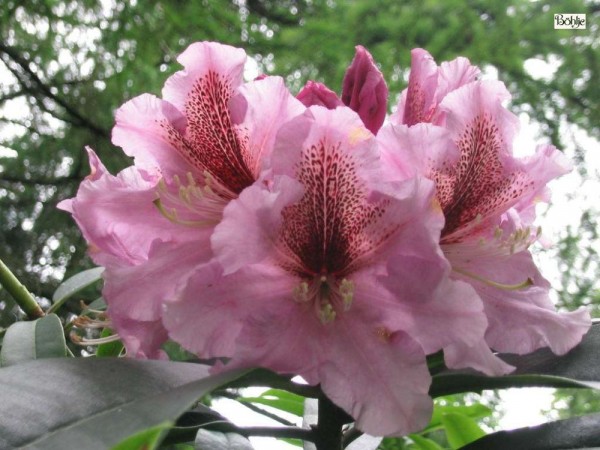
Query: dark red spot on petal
{"points": [[478, 185], [329, 229], [211, 142]]}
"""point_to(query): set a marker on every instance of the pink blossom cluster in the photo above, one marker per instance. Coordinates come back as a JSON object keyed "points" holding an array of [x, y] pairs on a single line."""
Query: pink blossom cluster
{"points": [[313, 235]]}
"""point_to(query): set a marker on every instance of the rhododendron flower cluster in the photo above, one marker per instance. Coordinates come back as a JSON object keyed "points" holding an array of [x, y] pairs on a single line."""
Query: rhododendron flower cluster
{"points": [[308, 235]]}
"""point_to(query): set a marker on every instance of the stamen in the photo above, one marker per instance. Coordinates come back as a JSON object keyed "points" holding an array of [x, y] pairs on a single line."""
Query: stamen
{"points": [[87, 322], [507, 287], [301, 293], [78, 340], [191, 200], [347, 293]]}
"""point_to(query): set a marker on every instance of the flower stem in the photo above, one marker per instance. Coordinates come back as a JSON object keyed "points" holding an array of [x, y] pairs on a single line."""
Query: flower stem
{"points": [[329, 429], [19, 292]]}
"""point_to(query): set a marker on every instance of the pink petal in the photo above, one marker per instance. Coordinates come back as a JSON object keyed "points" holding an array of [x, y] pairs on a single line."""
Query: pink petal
{"points": [[247, 233], [453, 75], [319, 126], [140, 131], [203, 61], [211, 142], [382, 382], [364, 90], [545, 165], [138, 292], [107, 209], [142, 339], [314, 93], [520, 320], [419, 102], [207, 316], [422, 149], [478, 356], [487, 180], [260, 108]]}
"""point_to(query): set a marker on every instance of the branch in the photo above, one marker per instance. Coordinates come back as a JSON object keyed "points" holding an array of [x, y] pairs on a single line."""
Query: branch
{"points": [[262, 377], [19, 292], [280, 432], [255, 408], [329, 429], [33, 77]]}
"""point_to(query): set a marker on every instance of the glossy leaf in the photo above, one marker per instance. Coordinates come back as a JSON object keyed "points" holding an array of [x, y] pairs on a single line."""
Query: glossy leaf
{"points": [[148, 439], [575, 433], [75, 284], [460, 429], [279, 399], [579, 368], [88, 396], [215, 440], [38, 339]]}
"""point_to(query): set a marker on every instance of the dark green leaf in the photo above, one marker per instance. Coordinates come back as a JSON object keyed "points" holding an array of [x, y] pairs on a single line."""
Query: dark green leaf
{"points": [[578, 368], [460, 430], [88, 396], [215, 440], [575, 433], [75, 284], [279, 399], [148, 439], [41, 338]]}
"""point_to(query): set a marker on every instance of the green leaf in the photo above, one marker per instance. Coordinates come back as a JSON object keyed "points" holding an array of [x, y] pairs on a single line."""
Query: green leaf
{"points": [[575, 433], [110, 349], [75, 284], [460, 429], [215, 440], [279, 399], [148, 439], [41, 338], [580, 368], [88, 396], [476, 411], [423, 443]]}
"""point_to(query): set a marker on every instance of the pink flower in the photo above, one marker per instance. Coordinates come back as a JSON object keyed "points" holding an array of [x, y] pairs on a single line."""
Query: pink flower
{"points": [[428, 84], [324, 272], [364, 90], [487, 197], [194, 151]]}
